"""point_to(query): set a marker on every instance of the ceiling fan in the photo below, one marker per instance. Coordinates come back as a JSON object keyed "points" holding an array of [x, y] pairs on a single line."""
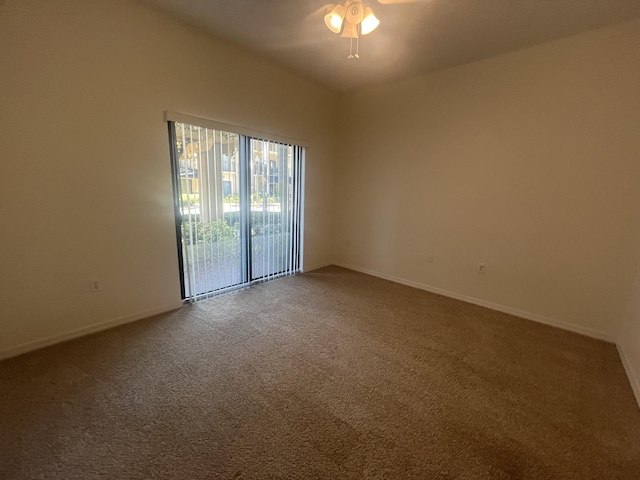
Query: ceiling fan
{"points": [[352, 18]]}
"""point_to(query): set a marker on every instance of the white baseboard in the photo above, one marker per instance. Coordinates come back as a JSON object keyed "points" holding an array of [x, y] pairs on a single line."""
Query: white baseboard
{"points": [[81, 332], [316, 267], [633, 378], [483, 303]]}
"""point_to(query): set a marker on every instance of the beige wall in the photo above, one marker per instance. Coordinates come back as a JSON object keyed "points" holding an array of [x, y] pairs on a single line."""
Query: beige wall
{"points": [[85, 185], [629, 339], [528, 162]]}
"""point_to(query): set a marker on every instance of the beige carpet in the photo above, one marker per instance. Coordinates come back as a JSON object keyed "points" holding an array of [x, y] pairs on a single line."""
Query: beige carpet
{"points": [[328, 375]]}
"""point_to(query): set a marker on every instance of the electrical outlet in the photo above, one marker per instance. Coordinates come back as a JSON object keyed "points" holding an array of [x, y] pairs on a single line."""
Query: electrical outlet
{"points": [[481, 268], [429, 258], [95, 285]]}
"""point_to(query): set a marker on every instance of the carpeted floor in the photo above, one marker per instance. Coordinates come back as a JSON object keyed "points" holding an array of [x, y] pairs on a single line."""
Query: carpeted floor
{"points": [[327, 375]]}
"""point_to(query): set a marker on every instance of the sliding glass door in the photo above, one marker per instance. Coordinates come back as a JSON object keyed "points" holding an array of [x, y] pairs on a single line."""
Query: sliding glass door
{"points": [[238, 208], [274, 200]]}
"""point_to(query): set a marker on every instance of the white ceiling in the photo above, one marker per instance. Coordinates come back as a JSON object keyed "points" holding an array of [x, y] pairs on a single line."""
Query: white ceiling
{"points": [[412, 39]]}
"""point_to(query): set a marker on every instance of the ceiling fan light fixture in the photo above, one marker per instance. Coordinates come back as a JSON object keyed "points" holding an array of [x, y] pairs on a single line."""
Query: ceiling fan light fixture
{"points": [[355, 11], [350, 30], [333, 20], [351, 18], [369, 23]]}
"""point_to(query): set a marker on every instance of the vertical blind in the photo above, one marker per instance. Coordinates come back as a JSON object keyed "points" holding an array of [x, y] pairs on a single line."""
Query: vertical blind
{"points": [[238, 203]]}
